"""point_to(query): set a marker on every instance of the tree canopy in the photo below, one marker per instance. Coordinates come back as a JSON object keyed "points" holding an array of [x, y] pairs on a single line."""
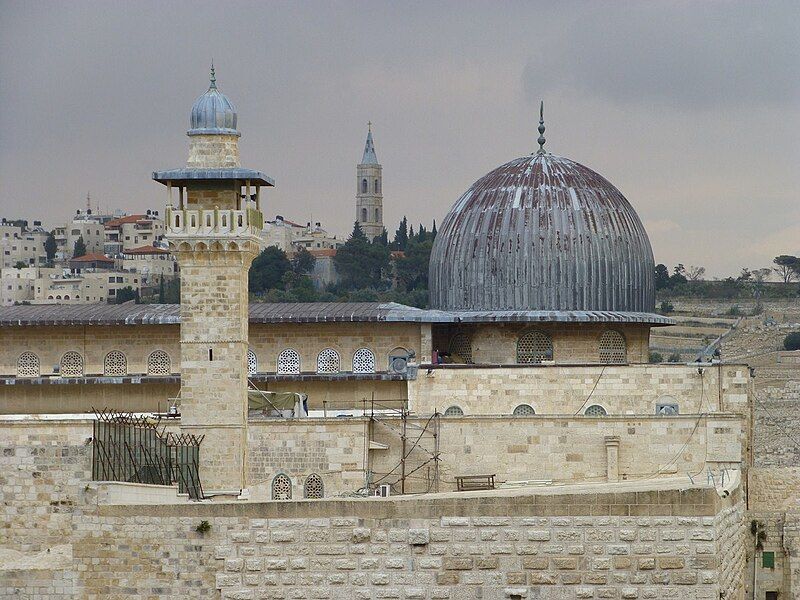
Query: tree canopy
{"points": [[79, 249]]}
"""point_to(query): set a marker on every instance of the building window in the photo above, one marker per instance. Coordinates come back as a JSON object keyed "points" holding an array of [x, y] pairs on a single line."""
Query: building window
{"points": [[363, 215], [595, 410], [252, 363], [454, 411], [281, 487], [377, 215], [328, 361], [289, 362], [313, 488], [158, 363], [28, 365], [71, 365], [524, 410], [768, 560], [115, 364], [363, 361], [364, 186], [534, 347], [377, 186], [613, 349], [460, 348]]}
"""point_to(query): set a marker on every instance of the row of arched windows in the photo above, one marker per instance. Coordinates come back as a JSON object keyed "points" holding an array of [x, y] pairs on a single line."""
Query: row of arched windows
{"points": [[365, 186], [526, 410], [282, 487], [365, 215], [328, 361], [115, 364], [536, 346]]}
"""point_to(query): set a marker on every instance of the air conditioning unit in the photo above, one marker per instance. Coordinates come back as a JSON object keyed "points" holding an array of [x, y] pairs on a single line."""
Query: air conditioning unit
{"points": [[398, 364], [383, 491]]}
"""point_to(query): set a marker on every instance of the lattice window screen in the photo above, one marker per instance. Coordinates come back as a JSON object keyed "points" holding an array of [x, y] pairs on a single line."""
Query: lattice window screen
{"points": [[252, 363], [281, 487], [595, 410], [158, 363], [115, 364], [363, 361], [613, 349], [71, 365], [28, 365], [289, 362], [453, 411], [328, 361], [534, 347], [313, 488], [524, 410], [461, 348]]}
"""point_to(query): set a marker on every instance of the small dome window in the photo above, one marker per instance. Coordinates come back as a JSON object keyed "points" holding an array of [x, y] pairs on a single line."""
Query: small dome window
{"points": [[252, 363], [595, 410], [524, 410], [289, 362], [460, 348], [534, 347], [613, 349], [281, 487], [454, 411]]}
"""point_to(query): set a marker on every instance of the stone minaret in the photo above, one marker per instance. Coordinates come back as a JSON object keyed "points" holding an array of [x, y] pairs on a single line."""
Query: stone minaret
{"points": [[369, 191], [213, 222]]}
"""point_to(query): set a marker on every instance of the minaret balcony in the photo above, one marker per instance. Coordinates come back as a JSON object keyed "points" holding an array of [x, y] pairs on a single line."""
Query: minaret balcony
{"points": [[213, 223]]}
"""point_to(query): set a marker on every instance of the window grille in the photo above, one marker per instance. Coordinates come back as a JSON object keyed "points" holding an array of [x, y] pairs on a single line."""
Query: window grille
{"points": [[328, 361], [461, 348], [363, 361], [533, 347], [313, 488], [158, 363], [115, 364], [72, 365], [252, 363], [289, 362], [524, 410], [28, 365], [453, 411], [613, 349], [595, 410], [281, 487]]}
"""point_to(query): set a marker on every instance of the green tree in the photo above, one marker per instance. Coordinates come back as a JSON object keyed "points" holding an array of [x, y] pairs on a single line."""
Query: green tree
{"points": [[79, 249], [303, 261], [268, 270], [360, 263], [126, 294], [678, 275], [662, 276], [383, 238], [787, 267], [50, 247], [20, 264], [401, 236], [412, 268]]}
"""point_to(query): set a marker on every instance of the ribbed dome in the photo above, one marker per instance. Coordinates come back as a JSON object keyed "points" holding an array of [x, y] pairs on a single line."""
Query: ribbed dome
{"points": [[542, 233], [213, 113]]}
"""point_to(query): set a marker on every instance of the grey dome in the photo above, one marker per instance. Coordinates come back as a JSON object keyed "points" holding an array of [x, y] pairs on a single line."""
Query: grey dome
{"points": [[213, 113], [542, 232]]}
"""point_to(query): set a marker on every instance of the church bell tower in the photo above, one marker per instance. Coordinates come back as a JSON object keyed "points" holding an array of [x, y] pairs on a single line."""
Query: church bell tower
{"points": [[369, 191], [213, 221]]}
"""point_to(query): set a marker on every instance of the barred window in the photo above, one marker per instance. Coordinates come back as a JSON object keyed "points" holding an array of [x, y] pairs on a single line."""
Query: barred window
{"points": [[281, 487], [289, 362], [71, 365], [115, 364], [313, 488], [363, 361], [158, 363], [613, 349], [524, 410], [533, 347], [28, 365], [453, 411], [461, 348], [328, 361], [252, 363], [595, 410]]}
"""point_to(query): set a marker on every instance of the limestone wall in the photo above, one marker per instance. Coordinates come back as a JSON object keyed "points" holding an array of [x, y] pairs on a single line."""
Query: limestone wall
{"points": [[775, 489]]}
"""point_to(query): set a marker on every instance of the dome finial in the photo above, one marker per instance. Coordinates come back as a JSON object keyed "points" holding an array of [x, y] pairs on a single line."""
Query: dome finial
{"points": [[541, 139], [213, 85]]}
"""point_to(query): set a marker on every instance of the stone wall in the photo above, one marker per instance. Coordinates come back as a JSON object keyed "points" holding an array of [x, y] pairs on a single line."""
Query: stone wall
{"points": [[775, 489]]}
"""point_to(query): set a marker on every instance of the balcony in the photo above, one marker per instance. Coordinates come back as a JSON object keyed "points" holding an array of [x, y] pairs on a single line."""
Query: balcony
{"points": [[213, 223]]}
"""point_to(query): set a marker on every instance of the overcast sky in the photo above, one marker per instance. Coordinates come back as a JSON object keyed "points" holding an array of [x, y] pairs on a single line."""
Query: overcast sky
{"points": [[692, 109]]}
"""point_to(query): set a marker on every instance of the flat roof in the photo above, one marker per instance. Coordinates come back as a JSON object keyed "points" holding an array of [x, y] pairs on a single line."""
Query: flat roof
{"points": [[184, 175]]}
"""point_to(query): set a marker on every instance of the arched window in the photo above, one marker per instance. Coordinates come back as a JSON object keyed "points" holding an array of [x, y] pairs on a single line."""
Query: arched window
{"points": [[252, 363], [461, 348], [524, 410], [71, 365], [115, 364], [328, 361], [289, 362], [158, 363], [533, 347], [377, 215], [363, 361], [363, 215], [364, 186], [454, 411], [281, 487], [377, 186], [313, 488], [595, 410], [613, 349], [28, 365]]}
